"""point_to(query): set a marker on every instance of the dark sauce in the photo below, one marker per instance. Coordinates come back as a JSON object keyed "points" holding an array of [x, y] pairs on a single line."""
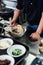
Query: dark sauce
{"points": [[4, 62]]}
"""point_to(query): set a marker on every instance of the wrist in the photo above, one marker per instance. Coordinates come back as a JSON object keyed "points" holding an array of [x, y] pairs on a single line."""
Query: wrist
{"points": [[13, 20], [38, 32]]}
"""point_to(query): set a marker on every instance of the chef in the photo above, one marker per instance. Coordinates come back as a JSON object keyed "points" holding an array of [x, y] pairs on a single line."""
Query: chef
{"points": [[34, 12]]}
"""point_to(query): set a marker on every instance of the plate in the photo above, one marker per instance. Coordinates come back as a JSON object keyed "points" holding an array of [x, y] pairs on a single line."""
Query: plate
{"points": [[7, 57], [11, 49], [5, 43]]}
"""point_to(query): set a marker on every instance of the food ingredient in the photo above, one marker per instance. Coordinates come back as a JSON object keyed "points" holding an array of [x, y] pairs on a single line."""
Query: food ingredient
{"points": [[4, 62], [16, 52]]}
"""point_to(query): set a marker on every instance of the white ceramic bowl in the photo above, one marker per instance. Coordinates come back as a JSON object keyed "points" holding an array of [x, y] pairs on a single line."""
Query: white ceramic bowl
{"points": [[16, 46], [5, 43], [19, 34], [7, 57], [41, 41], [9, 29]]}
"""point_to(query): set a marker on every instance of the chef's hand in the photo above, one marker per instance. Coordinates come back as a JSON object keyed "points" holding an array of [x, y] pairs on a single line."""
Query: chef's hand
{"points": [[12, 23], [35, 36]]}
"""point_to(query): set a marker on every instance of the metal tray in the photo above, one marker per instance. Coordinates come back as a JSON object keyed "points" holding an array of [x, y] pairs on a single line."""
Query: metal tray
{"points": [[36, 61], [17, 60]]}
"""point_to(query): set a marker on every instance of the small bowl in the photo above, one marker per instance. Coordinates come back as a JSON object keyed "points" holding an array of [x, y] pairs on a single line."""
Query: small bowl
{"points": [[41, 49], [5, 43], [9, 29], [19, 34], [7, 57], [41, 46], [41, 42], [16, 46]]}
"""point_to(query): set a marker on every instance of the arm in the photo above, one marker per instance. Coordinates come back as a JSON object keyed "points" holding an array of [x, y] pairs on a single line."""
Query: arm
{"points": [[40, 27], [36, 35], [17, 12], [16, 15]]}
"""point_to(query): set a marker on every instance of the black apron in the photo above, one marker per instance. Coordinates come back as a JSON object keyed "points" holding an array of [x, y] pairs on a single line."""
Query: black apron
{"points": [[32, 8]]}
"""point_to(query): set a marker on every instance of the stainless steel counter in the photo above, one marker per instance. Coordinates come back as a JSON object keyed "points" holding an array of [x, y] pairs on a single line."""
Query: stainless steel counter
{"points": [[34, 50], [33, 46]]}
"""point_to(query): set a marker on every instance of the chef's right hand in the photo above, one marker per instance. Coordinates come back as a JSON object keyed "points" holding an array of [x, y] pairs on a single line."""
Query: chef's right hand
{"points": [[12, 23], [35, 36]]}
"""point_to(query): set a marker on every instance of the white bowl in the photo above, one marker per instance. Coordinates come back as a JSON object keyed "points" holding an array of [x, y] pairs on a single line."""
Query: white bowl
{"points": [[9, 29], [41, 41], [7, 57], [5, 43], [19, 34], [17, 46]]}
